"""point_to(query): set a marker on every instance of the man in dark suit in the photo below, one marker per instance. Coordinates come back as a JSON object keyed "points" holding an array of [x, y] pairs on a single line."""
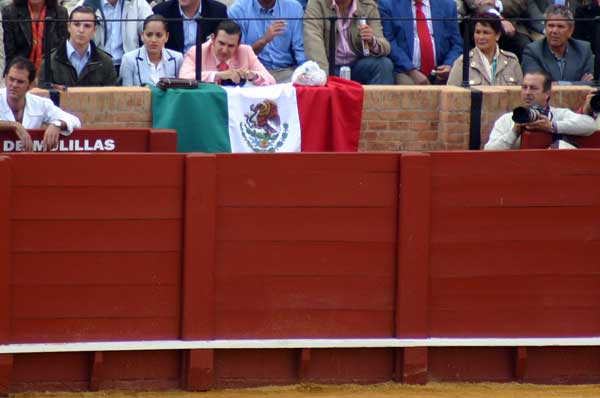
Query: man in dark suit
{"points": [[414, 58], [182, 34], [566, 59]]}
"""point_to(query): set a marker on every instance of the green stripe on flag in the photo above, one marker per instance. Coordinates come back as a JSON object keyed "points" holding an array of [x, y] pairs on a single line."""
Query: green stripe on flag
{"points": [[199, 116]]}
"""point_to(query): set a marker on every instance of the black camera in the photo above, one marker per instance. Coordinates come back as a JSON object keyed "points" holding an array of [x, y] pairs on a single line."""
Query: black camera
{"points": [[595, 102], [522, 114]]}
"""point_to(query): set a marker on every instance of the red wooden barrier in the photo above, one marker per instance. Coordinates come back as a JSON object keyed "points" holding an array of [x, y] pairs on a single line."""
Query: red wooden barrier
{"points": [[100, 140], [541, 140], [156, 246]]}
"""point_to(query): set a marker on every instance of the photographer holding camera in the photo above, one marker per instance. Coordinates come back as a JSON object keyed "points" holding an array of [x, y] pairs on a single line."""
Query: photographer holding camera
{"points": [[537, 115]]}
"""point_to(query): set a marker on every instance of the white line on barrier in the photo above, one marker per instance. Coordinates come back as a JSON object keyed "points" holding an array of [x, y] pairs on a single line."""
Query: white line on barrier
{"points": [[295, 343]]}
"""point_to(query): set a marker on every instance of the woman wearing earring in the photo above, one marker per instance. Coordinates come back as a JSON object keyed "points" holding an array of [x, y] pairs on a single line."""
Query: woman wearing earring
{"points": [[147, 64], [489, 65]]}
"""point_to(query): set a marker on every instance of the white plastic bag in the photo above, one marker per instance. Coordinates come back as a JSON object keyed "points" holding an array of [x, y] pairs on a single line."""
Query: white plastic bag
{"points": [[309, 74]]}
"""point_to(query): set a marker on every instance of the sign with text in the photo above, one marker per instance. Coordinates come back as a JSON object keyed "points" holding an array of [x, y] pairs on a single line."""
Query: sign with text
{"points": [[98, 140]]}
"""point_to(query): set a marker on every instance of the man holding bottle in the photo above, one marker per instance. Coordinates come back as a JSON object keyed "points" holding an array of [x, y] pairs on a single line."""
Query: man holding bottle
{"points": [[360, 46]]}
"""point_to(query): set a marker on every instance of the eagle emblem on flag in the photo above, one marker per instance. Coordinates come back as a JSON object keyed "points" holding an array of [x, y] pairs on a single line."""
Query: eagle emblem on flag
{"points": [[262, 128]]}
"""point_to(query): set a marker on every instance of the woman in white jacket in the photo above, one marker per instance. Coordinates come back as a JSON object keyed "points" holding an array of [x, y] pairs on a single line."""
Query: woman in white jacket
{"points": [[147, 64]]}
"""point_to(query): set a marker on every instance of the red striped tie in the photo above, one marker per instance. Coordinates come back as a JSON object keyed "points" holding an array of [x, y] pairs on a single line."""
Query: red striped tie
{"points": [[427, 64]]}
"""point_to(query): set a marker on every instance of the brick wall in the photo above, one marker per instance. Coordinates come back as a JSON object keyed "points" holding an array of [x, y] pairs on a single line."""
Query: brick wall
{"points": [[395, 118]]}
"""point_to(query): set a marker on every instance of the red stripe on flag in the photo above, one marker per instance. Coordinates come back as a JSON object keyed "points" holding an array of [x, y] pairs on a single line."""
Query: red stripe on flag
{"points": [[330, 116]]}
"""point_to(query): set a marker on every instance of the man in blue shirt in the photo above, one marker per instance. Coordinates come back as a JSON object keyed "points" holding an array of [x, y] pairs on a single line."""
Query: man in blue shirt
{"points": [[278, 42]]}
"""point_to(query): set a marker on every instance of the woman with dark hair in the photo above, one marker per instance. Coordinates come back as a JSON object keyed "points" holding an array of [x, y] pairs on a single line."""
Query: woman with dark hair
{"points": [[24, 25], [489, 65], [147, 64]]}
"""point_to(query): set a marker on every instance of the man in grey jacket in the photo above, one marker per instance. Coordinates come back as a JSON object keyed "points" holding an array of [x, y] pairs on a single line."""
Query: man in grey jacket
{"points": [[566, 59], [535, 91]]}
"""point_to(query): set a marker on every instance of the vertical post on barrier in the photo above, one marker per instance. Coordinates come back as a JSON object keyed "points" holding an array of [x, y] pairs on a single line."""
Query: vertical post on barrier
{"points": [[6, 360], [412, 273], [466, 45], [199, 48], [332, 21], [198, 286], [54, 94]]}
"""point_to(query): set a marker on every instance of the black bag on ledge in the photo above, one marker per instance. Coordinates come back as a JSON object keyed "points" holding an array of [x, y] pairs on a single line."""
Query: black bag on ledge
{"points": [[172, 82]]}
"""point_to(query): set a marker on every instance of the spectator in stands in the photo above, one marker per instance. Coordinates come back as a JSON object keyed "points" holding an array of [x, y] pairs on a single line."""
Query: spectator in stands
{"points": [[423, 50], [278, 44], [20, 110], [24, 28], [566, 59], [488, 64], [516, 34], [149, 63], [2, 53], [535, 92], [226, 61], [118, 37], [183, 33], [362, 47], [78, 62]]}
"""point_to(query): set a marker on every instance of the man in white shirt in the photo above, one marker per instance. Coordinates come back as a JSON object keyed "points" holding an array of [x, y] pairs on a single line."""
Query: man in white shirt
{"points": [[21, 110], [535, 92]]}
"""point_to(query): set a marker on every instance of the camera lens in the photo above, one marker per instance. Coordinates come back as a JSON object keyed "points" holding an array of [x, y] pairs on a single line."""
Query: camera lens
{"points": [[595, 103], [522, 115]]}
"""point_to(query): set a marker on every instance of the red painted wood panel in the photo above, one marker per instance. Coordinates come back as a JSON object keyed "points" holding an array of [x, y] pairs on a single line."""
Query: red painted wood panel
{"points": [[100, 268], [35, 368], [94, 329], [334, 187], [231, 164], [305, 258], [541, 224], [162, 140], [116, 170], [334, 292], [515, 191], [516, 258], [307, 224], [5, 260], [160, 364], [96, 203], [95, 236], [305, 245], [96, 244], [517, 321], [237, 368], [95, 301], [471, 364], [351, 365], [305, 323], [560, 365], [504, 227]]}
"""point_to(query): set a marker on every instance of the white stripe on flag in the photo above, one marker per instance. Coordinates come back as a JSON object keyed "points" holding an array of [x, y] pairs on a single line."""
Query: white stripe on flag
{"points": [[264, 119]]}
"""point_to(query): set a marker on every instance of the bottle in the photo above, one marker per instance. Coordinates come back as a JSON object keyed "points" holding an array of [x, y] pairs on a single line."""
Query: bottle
{"points": [[365, 44], [345, 72]]}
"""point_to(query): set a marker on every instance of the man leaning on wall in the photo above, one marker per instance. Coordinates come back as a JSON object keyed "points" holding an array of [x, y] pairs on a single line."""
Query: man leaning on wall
{"points": [[536, 90], [20, 110]]}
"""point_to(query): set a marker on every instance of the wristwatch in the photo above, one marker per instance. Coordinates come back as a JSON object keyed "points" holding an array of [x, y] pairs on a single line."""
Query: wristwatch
{"points": [[57, 123]]}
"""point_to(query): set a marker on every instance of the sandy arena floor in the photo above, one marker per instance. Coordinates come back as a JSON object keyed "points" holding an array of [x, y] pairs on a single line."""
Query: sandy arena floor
{"points": [[387, 390]]}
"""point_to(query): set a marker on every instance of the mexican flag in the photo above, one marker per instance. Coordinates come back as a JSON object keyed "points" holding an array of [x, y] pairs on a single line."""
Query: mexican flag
{"points": [[277, 118]]}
